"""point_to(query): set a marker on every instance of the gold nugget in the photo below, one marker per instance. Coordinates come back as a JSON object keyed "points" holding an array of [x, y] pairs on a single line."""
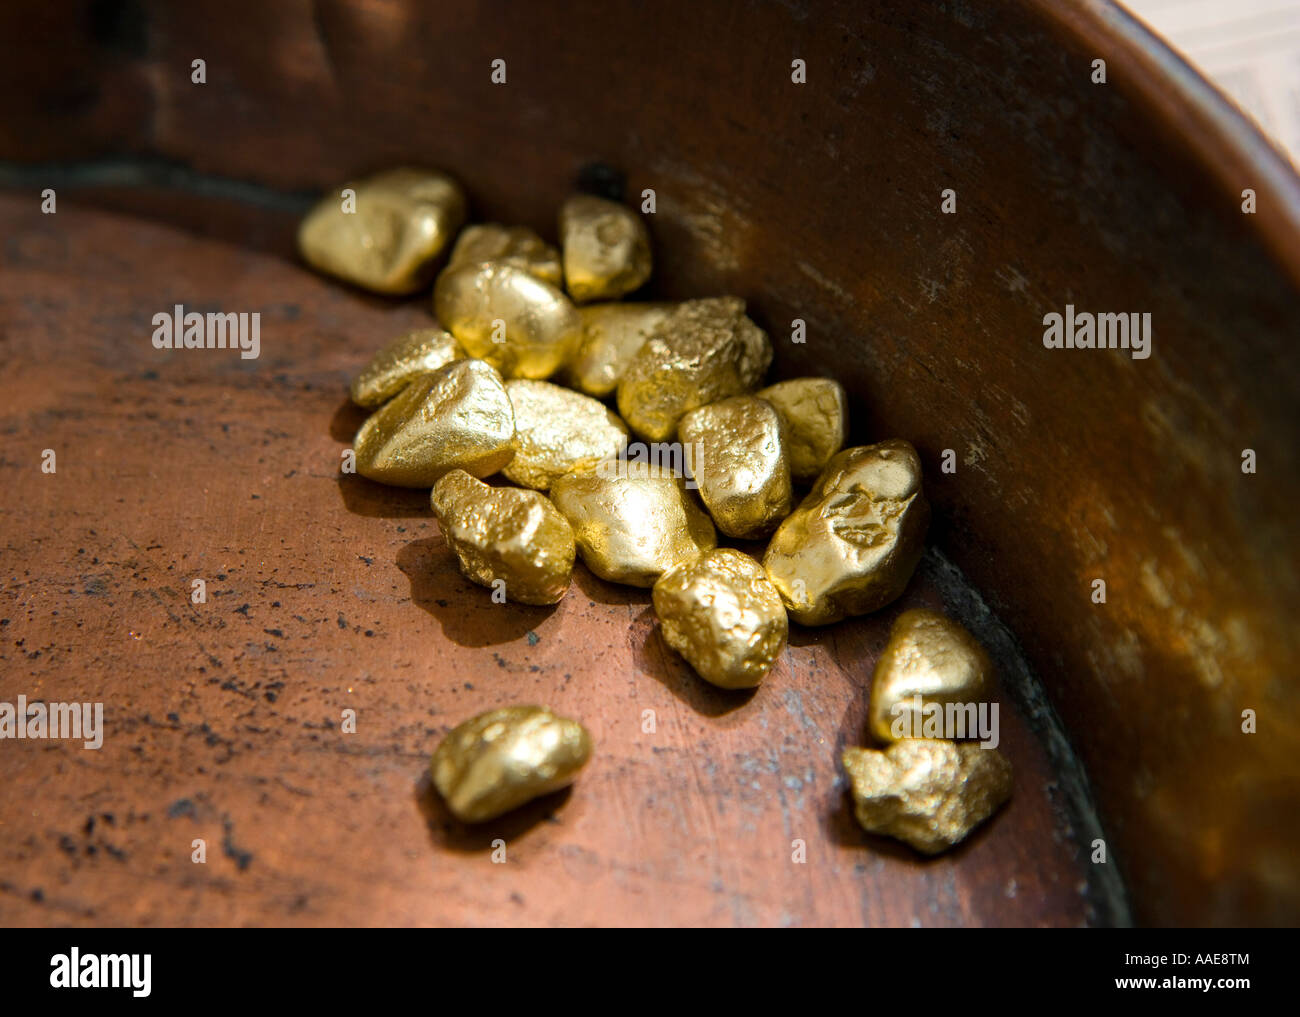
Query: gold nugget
{"points": [[705, 350], [501, 759], [929, 659], [632, 523], [851, 546], [558, 431], [815, 414], [387, 233], [514, 245], [736, 453], [721, 612], [401, 362], [606, 248], [505, 534], [929, 793], [458, 417], [520, 324], [611, 336]]}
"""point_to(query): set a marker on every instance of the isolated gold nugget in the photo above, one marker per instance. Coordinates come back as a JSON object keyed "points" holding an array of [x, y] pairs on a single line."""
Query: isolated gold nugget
{"points": [[458, 417], [606, 248], [736, 453], [705, 350], [927, 656], [632, 526], [558, 431], [929, 793], [400, 221], [401, 362], [851, 546], [721, 612], [505, 534], [501, 759], [815, 414], [611, 336], [514, 245], [520, 324]]}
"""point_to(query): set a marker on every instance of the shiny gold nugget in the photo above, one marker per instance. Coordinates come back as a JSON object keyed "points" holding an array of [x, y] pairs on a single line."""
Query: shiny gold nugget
{"points": [[722, 613], [735, 450], [520, 324], [514, 245], [558, 431], [458, 417], [501, 759], [401, 362], [632, 526], [505, 534], [851, 546], [705, 350], [401, 220], [606, 248], [815, 414], [929, 793], [929, 659], [611, 336]]}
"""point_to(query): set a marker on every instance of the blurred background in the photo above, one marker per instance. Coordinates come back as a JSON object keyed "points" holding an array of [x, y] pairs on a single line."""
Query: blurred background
{"points": [[1249, 48]]}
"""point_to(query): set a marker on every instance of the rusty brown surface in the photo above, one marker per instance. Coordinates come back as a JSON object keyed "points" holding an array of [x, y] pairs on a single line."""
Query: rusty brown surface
{"points": [[328, 592], [822, 202]]}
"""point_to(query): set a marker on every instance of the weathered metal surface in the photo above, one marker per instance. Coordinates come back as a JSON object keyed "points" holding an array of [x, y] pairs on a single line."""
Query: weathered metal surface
{"points": [[818, 201], [329, 592]]}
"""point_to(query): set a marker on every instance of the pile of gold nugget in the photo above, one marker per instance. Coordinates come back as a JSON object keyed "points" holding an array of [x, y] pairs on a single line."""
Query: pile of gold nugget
{"points": [[535, 350]]}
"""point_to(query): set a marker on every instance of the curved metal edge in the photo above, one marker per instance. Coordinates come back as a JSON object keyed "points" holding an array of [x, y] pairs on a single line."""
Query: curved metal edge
{"points": [[1070, 792], [1225, 142]]}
